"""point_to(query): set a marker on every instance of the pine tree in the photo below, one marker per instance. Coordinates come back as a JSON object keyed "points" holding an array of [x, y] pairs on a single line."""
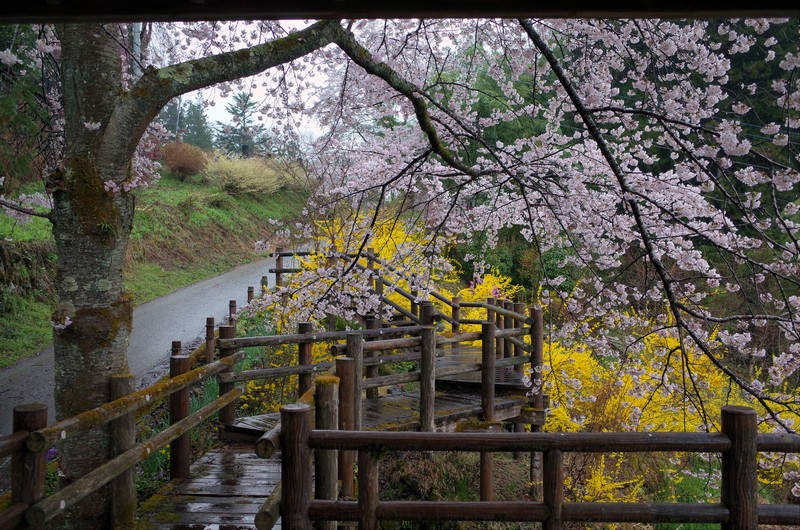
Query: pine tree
{"points": [[243, 135], [196, 130]]}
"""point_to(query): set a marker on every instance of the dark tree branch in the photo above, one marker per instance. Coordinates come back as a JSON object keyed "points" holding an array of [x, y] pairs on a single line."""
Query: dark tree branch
{"points": [[22, 209], [137, 108]]}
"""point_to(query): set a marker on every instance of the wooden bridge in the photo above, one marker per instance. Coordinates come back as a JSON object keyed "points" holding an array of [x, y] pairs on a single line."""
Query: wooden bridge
{"points": [[341, 412]]}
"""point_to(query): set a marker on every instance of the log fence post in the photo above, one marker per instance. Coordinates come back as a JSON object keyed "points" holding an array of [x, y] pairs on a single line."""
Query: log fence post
{"points": [[455, 314], [739, 485], [427, 375], [372, 371], [518, 307], [264, 285], [304, 351], [553, 486], [487, 370], [487, 404], [413, 305], [508, 323], [487, 477], [211, 342], [330, 318], [499, 325], [123, 438], [537, 355], [295, 466], [326, 416], [180, 449], [28, 467], [232, 312], [371, 267], [278, 267], [355, 350], [251, 293], [367, 489], [227, 415], [517, 351], [379, 292], [345, 371], [491, 317], [537, 360]]}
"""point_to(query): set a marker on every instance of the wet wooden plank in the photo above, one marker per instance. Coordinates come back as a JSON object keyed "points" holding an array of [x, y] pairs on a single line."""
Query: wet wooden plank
{"points": [[220, 520], [225, 490], [400, 411], [505, 378], [234, 505], [262, 421]]}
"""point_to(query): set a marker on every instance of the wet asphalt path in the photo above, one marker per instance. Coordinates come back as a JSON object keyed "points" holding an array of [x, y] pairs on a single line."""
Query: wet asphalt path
{"points": [[177, 316]]}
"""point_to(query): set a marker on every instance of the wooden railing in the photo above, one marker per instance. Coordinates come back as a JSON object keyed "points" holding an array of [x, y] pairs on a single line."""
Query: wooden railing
{"points": [[366, 349], [31, 439], [503, 343], [738, 443]]}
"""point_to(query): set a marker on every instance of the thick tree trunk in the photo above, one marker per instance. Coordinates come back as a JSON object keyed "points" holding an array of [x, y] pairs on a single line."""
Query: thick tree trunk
{"points": [[91, 224], [91, 228]]}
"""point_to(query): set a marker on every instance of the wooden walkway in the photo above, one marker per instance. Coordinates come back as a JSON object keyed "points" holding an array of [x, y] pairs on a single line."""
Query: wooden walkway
{"points": [[228, 485], [400, 412], [225, 491]]}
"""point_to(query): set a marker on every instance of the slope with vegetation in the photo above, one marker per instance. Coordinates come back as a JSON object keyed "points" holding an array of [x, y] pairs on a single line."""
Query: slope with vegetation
{"points": [[187, 228]]}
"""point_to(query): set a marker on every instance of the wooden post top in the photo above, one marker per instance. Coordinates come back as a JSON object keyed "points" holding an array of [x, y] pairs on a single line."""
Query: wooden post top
{"points": [[296, 407], [30, 407]]}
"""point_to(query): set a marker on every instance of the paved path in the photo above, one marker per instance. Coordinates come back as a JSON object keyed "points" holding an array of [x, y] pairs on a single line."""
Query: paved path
{"points": [[177, 316]]}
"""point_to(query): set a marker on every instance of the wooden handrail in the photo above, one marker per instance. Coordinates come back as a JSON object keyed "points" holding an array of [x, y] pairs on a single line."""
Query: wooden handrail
{"points": [[536, 511], [466, 336], [13, 515], [50, 507], [12, 443], [738, 443], [43, 438], [578, 442], [274, 373], [323, 336], [382, 345], [522, 511], [400, 309]]}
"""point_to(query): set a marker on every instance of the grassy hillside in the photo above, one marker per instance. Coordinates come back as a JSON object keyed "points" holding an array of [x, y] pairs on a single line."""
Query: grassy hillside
{"points": [[184, 231]]}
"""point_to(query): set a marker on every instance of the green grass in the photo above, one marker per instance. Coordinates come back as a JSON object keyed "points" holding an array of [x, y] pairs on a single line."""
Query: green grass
{"points": [[25, 328], [147, 281], [183, 232], [37, 229]]}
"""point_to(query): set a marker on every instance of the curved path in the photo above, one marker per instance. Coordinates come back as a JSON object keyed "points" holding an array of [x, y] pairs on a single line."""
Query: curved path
{"points": [[177, 316]]}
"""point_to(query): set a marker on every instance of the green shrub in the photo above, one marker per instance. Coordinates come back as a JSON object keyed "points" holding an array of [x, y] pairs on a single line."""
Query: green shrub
{"points": [[184, 160], [249, 175]]}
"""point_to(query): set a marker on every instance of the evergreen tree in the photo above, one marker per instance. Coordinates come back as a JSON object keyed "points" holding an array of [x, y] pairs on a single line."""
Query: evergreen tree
{"points": [[243, 135], [195, 129], [171, 116]]}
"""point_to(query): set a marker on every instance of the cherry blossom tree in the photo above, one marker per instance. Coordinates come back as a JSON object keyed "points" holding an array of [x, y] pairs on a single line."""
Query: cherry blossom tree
{"points": [[662, 155], [674, 188]]}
